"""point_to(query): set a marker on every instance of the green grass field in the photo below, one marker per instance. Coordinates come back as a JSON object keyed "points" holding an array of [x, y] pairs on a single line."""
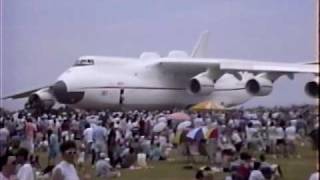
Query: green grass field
{"points": [[293, 168]]}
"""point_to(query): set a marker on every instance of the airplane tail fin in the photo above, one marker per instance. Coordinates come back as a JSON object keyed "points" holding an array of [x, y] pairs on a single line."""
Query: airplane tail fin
{"points": [[201, 47]]}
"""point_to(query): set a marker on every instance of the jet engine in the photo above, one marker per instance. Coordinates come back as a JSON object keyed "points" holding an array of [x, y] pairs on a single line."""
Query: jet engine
{"points": [[312, 88], [259, 86], [201, 84], [41, 99]]}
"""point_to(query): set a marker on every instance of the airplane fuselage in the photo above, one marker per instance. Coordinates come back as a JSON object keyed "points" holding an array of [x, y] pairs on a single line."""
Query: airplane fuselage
{"points": [[134, 83]]}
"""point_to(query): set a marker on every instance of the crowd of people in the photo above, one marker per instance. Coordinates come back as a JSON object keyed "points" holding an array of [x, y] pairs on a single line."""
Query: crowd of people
{"points": [[68, 140]]}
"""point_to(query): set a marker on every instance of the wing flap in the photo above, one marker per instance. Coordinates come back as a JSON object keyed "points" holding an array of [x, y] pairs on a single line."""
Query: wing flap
{"points": [[277, 68]]}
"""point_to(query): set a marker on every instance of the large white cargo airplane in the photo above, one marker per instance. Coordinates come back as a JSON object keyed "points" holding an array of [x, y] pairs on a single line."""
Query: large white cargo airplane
{"points": [[178, 80]]}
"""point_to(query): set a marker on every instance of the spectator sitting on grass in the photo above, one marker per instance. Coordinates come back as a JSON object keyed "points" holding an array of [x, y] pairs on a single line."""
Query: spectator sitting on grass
{"points": [[155, 152], [129, 159], [104, 169]]}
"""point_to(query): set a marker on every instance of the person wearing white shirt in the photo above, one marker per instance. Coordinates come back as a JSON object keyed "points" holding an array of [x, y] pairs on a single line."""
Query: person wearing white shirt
{"points": [[291, 134], [256, 174], [25, 172], [272, 137], [251, 134], [198, 122], [66, 170], [88, 139], [162, 140], [4, 134], [8, 167], [100, 139], [237, 141], [314, 176], [281, 142]]}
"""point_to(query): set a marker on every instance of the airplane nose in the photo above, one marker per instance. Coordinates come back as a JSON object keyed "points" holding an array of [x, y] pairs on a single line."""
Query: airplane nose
{"points": [[62, 95]]}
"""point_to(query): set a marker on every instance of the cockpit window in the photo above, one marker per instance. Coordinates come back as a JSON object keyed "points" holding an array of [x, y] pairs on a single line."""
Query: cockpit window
{"points": [[84, 62]]}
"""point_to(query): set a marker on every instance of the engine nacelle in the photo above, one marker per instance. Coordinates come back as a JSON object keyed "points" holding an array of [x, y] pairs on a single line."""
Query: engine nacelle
{"points": [[259, 86], [41, 99], [201, 84], [312, 88]]}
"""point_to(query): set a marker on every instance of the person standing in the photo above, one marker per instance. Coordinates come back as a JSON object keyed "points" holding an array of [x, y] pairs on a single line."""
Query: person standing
{"points": [[30, 131], [291, 134], [111, 143], [53, 145], [4, 134], [236, 139], [88, 139], [7, 167], [272, 138], [99, 140], [25, 172], [251, 137], [280, 140], [66, 170]]}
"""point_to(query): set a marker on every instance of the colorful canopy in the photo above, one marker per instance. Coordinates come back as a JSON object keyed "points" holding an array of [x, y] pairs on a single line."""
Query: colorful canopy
{"points": [[179, 116], [212, 133], [207, 106], [197, 134], [181, 136]]}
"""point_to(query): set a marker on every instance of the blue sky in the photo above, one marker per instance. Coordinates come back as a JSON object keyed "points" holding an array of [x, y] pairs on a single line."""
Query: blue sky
{"points": [[41, 38]]}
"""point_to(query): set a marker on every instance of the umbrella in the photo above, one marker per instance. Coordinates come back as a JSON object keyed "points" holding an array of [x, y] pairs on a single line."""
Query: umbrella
{"points": [[207, 105], [183, 125], [181, 136], [159, 127], [212, 133], [162, 119], [179, 116], [197, 133]]}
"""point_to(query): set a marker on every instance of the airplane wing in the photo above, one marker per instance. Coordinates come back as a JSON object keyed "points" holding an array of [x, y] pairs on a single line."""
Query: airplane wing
{"points": [[198, 65], [312, 62], [193, 66], [22, 95], [271, 67]]}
